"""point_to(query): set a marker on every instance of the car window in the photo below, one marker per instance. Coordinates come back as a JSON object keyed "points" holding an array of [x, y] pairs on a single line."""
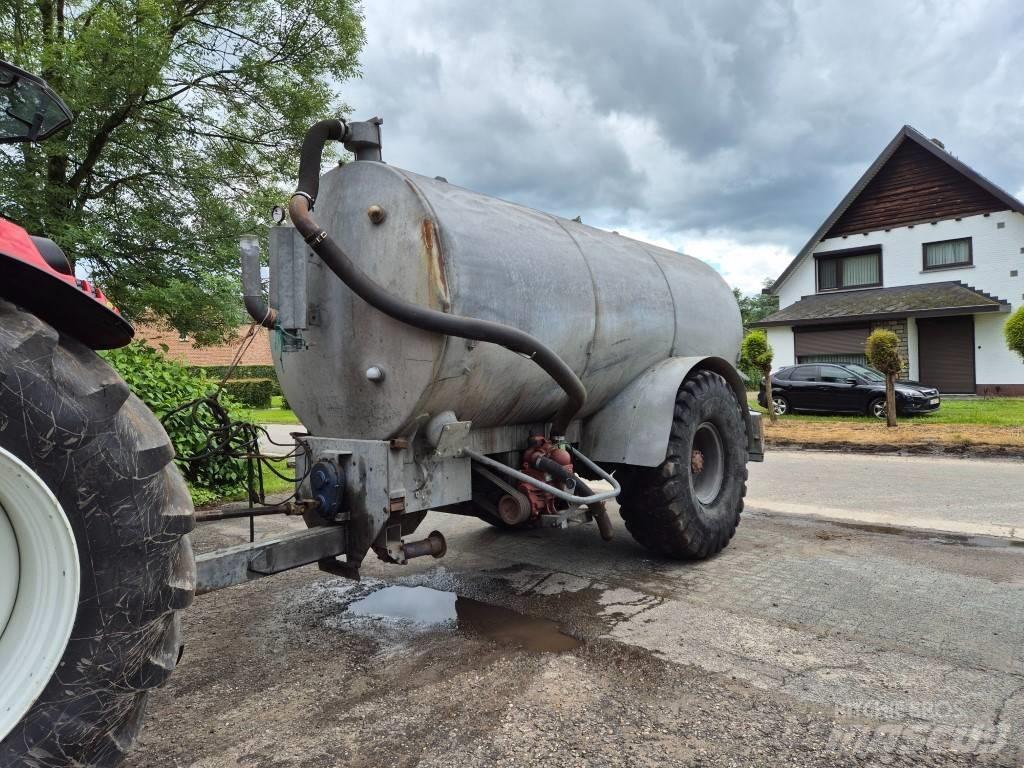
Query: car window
{"points": [[783, 375], [804, 373], [867, 373], [835, 374]]}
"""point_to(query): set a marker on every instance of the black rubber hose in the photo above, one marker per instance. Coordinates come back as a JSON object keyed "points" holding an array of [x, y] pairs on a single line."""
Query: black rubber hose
{"points": [[405, 311]]}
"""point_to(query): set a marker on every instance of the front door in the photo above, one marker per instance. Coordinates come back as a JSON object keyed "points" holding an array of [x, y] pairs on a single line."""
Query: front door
{"points": [[945, 348]]}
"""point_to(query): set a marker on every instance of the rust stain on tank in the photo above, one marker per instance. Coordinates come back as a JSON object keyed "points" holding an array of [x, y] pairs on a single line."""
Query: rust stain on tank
{"points": [[435, 260]]}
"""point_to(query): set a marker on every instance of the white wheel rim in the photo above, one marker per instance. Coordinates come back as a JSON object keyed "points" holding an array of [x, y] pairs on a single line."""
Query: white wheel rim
{"points": [[780, 405], [39, 586]]}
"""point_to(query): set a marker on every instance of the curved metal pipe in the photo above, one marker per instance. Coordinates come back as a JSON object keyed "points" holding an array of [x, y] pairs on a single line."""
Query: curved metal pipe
{"points": [[593, 498], [300, 208], [252, 286], [597, 509]]}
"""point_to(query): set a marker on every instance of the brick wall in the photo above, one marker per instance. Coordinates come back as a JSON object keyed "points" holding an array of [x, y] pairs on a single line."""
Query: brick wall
{"points": [[182, 350], [899, 327]]}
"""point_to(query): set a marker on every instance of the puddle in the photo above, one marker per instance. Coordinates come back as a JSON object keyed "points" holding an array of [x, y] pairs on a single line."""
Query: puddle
{"points": [[424, 605]]}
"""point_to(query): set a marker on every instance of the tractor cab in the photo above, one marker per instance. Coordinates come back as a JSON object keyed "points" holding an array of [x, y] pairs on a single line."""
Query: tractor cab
{"points": [[34, 271], [29, 109]]}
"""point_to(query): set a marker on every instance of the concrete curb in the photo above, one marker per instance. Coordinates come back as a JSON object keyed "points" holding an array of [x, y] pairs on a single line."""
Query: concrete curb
{"points": [[890, 523], [890, 449]]}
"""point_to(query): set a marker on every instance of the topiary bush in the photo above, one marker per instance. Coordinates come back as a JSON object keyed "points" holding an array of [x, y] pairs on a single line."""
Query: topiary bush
{"points": [[757, 354], [255, 393], [1014, 331], [883, 351], [164, 385]]}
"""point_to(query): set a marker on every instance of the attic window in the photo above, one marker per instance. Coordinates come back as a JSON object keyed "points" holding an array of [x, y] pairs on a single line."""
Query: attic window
{"points": [[946, 254], [850, 268]]}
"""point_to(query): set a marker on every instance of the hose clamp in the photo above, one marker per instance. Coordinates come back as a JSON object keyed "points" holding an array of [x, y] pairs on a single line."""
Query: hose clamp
{"points": [[309, 197]]}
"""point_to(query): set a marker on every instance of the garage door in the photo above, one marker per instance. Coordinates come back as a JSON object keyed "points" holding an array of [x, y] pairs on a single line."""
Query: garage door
{"points": [[946, 353], [830, 344]]}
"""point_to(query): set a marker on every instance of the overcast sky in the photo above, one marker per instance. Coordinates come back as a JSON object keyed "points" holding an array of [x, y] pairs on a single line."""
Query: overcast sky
{"points": [[726, 130]]}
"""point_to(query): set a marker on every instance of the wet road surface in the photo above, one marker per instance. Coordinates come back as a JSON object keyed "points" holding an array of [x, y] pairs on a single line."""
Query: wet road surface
{"points": [[803, 643]]}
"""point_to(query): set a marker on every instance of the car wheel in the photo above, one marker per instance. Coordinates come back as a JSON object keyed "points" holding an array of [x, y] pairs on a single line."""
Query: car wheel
{"points": [[781, 405], [877, 408]]}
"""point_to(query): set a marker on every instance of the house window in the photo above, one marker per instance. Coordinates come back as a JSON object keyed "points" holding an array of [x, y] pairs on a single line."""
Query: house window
{"points": [[840, 270], [948, 253]]}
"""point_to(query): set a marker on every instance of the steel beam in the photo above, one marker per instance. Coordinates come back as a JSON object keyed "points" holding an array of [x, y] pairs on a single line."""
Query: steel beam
{"points": [[246, 562]]}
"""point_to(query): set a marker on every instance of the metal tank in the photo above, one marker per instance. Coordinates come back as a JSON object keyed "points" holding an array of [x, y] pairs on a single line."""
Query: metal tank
{"points": [[610, 306]]}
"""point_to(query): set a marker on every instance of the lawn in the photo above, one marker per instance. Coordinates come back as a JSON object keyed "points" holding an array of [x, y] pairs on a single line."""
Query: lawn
{"points": [[983, 426], [996, 411], [275, 414]]}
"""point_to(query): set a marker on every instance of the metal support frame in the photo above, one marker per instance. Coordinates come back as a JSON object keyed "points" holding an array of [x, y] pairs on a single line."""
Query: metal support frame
{"points": [[247, 562]]}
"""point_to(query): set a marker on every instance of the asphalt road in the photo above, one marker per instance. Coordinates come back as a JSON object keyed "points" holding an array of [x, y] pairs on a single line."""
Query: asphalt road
{"points": [[804, 643], [969, 496]]}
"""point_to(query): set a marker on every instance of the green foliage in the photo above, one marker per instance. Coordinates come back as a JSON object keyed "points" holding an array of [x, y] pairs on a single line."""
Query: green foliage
{"points": [[217, 372], [164, 385], [1014, 331], [189, 117], [883, 351], [253, 393], [756, 352], [756, 307]]}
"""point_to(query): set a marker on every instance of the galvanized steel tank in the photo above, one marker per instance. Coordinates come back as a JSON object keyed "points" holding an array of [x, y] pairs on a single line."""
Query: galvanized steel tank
{"points": [[608, 305]]}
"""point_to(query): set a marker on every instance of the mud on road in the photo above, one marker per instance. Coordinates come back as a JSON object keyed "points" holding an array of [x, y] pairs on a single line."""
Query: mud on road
{"points": [[802, 644]]}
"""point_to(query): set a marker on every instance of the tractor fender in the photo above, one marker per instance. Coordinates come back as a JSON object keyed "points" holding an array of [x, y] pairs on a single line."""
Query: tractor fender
{"points": [[633, 428]]}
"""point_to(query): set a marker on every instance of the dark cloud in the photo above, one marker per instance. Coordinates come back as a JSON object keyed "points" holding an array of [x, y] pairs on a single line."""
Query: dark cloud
{"points": [[734, 121]]}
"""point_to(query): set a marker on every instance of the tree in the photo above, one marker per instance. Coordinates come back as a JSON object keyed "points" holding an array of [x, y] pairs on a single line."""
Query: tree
{"points": [[1014, 331], [757, 353], [883, 351], [189, 116], [756, 307]]}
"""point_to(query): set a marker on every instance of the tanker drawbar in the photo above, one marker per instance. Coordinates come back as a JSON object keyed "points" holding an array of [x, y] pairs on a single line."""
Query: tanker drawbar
{"points": [[454, 352]]}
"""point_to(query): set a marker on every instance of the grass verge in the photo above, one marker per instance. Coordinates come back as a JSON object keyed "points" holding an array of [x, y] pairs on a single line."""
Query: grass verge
{"points": [[275, 414], [986, 426]]}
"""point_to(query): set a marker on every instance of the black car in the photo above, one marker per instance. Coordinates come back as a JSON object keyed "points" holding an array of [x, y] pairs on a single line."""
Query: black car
{"points": [[844, 388]]}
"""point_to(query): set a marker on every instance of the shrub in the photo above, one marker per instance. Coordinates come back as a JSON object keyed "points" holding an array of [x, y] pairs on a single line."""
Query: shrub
{"points": [[756, 352], [1014, 331], [216, 373], [254, 393], [883, 351], [164, 385]]}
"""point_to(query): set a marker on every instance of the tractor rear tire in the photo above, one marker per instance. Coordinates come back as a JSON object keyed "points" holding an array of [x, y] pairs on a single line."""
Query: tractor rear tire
{"points": [[68, 418], [688, 507]]}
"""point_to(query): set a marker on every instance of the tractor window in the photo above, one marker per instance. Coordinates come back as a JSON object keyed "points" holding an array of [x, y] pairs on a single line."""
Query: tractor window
{"points": [[29, 110]]}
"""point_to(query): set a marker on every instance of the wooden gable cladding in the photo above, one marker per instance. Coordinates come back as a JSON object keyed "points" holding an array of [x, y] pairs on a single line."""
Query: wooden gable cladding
{"points": [[913, 186]]}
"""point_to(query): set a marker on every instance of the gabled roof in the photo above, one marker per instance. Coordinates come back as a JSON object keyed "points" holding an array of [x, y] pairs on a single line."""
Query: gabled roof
{"points": [[906, 133], [920, 300]]}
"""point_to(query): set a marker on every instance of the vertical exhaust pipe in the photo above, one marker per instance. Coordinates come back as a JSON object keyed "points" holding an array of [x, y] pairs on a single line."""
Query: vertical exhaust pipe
{"points": [[252, 285]]}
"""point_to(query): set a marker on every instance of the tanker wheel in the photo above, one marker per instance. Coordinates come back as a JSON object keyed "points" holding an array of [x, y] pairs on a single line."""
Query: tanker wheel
{"points": [[95, 558], [689, 506]]}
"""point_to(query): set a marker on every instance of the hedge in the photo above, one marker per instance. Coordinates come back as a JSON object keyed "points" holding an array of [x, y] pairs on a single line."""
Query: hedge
{"points": [[216, 372], [255, 393]]}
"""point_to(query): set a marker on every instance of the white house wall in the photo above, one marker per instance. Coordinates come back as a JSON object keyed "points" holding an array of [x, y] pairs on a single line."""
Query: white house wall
{"points": [[781, 340], [997, 251]]}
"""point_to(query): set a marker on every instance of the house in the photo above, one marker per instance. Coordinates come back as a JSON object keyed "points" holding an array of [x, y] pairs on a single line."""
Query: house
{"points": [[180, 348], [925, 246]]}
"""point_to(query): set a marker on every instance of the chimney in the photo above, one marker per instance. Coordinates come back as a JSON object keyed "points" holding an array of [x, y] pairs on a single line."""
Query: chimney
{"points": [[937, 143]]}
